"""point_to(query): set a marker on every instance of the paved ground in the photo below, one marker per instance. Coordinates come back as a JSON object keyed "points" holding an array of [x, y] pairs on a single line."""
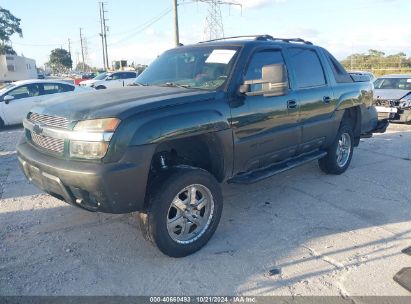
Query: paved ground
{"points": [[329, 235]]}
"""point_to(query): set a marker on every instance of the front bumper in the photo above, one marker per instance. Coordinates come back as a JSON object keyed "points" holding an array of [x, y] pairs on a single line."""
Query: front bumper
{"points": [[107, 187]]}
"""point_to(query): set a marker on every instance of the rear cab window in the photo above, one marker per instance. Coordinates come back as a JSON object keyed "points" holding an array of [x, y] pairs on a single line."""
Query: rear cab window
{"points": [[340, 74]]}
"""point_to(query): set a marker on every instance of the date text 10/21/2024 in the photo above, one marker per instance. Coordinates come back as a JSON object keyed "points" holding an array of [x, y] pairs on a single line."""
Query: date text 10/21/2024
{"points": [[203, 299]]}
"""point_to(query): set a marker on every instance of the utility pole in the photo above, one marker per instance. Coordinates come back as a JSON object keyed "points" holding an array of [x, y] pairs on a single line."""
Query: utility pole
{"points": [[176, 34], [82, 50], [100, 5], [69, 49], [104, 32]]}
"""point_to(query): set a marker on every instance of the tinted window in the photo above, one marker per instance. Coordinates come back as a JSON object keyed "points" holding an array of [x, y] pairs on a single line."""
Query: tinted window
{"points": [[255, 67], [30, 90], [65, 87], [340, 74], [307, 68]]}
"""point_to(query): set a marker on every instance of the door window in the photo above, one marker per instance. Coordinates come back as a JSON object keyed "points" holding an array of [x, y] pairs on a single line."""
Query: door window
{"points": [[30, 90], [307, 68], [129, 75], [65, 87], [255, 67]]}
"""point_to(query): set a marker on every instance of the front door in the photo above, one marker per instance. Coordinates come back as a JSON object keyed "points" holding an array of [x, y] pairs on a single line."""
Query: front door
{"points": [[266, 129], [25, 97]]}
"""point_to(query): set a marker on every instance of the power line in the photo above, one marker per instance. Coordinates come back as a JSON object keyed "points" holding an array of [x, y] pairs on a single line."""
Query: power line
{"points": [[214, 27], [143, 28]]}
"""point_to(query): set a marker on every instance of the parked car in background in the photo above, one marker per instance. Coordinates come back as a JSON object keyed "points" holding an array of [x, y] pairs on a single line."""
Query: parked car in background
{"points": [[110, 80], [389, 91], [83, 76], [370, 75], [17, 98]]}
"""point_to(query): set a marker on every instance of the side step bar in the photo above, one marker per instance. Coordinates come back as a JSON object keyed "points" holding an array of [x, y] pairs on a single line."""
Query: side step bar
{"points": [[263, 173]]}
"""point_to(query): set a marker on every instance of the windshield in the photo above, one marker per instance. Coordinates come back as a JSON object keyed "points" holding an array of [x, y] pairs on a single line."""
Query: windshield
{"points": [[101, 76], [393, 83], [204, 68], [5, 88]]}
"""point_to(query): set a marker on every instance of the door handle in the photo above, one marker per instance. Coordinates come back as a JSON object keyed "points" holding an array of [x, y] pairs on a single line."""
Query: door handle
{"points": [[327, 99], [291, 104]]}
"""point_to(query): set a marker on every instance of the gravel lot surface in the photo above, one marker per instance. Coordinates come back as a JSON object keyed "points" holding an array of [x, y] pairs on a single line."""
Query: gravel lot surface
{"points": [[328, 235]]}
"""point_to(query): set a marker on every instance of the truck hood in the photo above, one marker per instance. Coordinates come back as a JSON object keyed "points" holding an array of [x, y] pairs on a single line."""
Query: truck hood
{"points": [[389, 93], [121, 102]]}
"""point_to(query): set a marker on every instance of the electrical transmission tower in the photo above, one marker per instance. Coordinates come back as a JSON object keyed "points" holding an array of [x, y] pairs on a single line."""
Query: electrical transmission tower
{"points": [[214, 27]]}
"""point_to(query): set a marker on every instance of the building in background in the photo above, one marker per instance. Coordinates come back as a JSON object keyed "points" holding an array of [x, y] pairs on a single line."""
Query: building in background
{"points": [[13, 68]]}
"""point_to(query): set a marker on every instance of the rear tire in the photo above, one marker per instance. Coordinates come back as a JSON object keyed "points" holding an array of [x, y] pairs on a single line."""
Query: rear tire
{"points": [[340, 152], [1, 124], [184, 211]]}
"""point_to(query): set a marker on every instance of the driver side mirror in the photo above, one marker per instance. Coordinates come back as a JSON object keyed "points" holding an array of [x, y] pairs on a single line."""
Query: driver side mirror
{"points": [[274, 82], [7, 99], [109, 78]]}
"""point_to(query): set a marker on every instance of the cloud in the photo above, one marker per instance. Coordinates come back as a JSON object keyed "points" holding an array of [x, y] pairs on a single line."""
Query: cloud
{"points": [[257, 3], [386, 38]]}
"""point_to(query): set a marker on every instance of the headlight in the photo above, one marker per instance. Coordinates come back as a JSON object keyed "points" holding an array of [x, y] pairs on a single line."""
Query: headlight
{"points": [[88, 149], [98, 125], [97, 134]]}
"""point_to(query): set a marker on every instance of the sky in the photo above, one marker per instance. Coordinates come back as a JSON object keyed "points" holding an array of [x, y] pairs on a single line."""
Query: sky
{"points": [[140, 30]]}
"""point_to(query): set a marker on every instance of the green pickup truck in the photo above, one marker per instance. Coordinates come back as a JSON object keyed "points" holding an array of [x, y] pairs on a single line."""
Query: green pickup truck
{"points": [[229, 110]]}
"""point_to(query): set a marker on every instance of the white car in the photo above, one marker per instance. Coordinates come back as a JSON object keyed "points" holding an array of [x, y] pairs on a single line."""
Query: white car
{"points": [[110, 80], [17, 98]]}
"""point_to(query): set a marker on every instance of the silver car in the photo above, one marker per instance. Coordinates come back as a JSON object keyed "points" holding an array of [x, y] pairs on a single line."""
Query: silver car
{"points": [[389, 90]]}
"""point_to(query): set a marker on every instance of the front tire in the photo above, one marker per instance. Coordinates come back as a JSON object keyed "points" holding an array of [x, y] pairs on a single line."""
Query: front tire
{"points": [[100, 87], [184, 211], [340, 152], [1, 124]]}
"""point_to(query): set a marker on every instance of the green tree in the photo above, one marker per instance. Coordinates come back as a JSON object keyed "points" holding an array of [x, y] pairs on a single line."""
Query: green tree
{"points": [[60, 60], [9, 25], [6, 50], [378, 62], [84, 67]]}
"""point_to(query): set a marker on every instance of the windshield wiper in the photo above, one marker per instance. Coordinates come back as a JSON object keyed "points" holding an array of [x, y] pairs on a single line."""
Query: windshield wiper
{"points": [[175, 85]]}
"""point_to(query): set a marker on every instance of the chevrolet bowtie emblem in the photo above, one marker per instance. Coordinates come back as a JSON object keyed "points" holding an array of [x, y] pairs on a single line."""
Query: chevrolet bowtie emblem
{"points": [[37, 129]]}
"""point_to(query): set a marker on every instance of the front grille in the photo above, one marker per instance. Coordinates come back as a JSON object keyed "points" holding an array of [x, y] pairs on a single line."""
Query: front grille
{"points": [[386, 102], [52, 121], [48, 143]]}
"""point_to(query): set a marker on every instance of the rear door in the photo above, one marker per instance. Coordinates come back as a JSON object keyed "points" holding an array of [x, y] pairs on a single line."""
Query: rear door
{"points": [[265, 128], [315, 96]]}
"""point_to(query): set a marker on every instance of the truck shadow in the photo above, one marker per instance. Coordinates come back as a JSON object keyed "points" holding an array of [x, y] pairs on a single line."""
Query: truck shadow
{"points": [[63, 250]]}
